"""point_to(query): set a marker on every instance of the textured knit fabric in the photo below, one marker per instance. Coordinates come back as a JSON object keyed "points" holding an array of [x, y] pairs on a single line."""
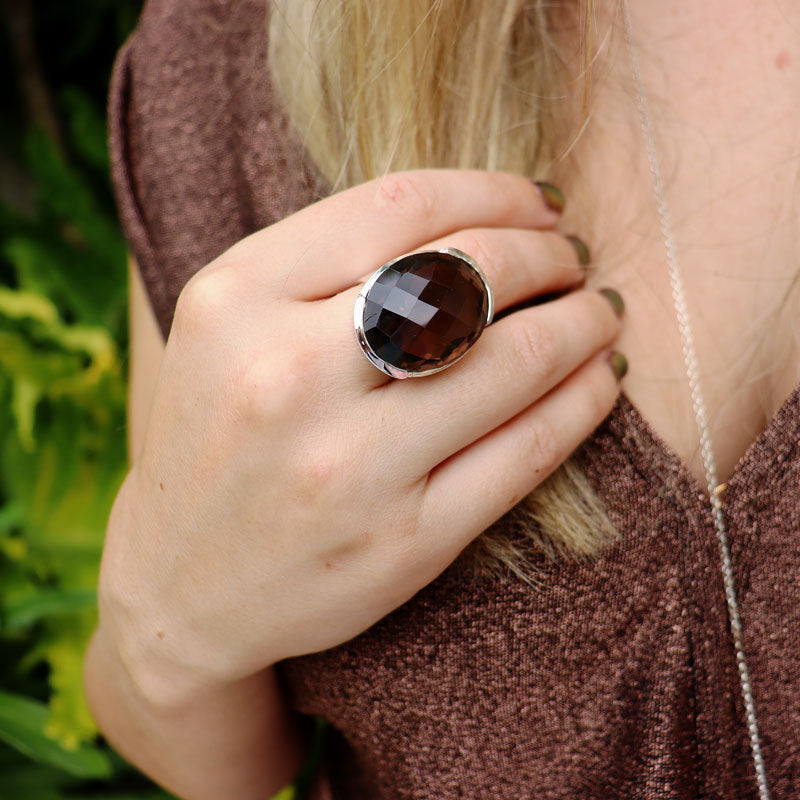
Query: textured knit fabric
{"points": [[615, 679]]}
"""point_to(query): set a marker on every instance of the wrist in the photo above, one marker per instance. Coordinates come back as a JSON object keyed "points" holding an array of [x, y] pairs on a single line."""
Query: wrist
{"points": [[140, 644], [239, 739], [159, 687]]}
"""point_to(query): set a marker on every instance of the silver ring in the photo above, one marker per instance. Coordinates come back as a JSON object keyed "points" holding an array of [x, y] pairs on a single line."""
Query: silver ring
{"points": [[420, 313]]}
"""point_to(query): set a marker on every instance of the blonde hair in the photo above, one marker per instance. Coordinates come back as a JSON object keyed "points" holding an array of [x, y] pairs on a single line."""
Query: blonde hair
{"points": [[373, 87]]}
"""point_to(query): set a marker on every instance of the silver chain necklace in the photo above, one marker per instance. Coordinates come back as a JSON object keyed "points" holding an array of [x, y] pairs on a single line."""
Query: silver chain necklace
{"points": [[692, 370]]}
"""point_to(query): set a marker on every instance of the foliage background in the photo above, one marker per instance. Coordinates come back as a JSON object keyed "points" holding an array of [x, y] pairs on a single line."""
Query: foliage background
{"points": [[63, 368]]}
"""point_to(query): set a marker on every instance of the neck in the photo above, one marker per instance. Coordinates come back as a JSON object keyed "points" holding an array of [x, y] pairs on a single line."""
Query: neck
{"points": [[722, 81]]}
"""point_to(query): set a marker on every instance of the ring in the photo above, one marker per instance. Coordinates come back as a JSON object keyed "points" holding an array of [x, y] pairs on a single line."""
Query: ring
{"points": [[420, 313]]}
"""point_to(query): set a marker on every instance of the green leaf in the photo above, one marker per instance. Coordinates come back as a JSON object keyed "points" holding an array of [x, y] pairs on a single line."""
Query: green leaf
{"points": [[69, 719], [145, 794], [17, 305], [23, 406], [27, 780], [87, 127], [23, 779], [47, 603], [78, 279], [68, 197], [11, 516], [22, 724]]}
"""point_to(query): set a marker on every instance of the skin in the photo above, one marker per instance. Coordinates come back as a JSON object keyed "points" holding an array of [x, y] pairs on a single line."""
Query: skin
{"points": [[723, 81], [200, 711], [249, 480]]}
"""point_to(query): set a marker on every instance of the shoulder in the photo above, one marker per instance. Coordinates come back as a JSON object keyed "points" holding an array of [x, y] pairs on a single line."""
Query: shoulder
{"points": [[201, 151], [200, 49]]}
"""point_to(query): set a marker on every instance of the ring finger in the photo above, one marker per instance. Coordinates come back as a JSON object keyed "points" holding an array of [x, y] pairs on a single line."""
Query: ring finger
{"points": [[517, 362], [519, 265]]}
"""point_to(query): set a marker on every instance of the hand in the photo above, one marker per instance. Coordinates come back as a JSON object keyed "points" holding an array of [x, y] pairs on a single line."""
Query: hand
{"points": [[288, 493]]}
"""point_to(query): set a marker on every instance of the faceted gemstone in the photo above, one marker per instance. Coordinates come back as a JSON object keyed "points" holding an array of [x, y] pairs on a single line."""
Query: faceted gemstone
{"points": [[425, 311]]}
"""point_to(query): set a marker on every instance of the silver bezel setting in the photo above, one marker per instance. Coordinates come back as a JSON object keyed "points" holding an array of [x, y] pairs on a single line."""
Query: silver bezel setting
{"points": [[358, 314]]}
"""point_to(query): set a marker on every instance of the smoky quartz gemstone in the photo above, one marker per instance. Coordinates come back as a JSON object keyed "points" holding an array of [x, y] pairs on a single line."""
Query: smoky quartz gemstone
{"points": [[421, 313]]}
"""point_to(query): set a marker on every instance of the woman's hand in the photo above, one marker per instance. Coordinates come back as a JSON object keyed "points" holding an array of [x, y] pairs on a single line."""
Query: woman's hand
{"points": [[288, 493]]}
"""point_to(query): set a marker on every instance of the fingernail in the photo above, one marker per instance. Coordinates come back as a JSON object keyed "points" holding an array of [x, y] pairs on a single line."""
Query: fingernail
{"points": [[553, 198], [584, 257], [616, 301], [618, 364]]}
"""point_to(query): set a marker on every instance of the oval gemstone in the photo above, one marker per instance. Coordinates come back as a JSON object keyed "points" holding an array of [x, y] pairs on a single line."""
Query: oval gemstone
{"points": [[425, 311]]}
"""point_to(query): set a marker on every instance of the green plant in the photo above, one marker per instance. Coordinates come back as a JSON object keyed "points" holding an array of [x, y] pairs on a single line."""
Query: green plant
{"points": [[63, 339], [63, 370], [62, 452]]}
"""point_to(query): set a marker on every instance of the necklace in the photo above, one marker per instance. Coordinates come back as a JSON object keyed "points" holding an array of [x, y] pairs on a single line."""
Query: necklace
{"points": [[715, 490]]}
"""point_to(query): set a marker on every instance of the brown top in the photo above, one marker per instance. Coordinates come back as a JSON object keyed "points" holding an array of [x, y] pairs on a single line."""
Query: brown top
{"points": [[615, 680]]}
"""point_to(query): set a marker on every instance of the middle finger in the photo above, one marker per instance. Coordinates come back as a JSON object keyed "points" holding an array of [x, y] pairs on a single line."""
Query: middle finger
{"points": [[519, 266]]}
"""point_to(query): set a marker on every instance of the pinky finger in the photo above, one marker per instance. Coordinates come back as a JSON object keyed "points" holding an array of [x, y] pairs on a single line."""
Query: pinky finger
{"points": [[473, 488]]}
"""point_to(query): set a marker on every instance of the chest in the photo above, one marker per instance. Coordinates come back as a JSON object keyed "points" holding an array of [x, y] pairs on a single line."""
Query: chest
{"points": [[747, 342]]}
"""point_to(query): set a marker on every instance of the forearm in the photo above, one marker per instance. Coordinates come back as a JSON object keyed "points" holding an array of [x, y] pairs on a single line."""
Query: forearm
{"points": [[240, 740]]}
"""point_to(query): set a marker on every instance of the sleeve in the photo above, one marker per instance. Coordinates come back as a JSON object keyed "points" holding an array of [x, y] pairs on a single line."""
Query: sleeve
{"points": [[201, 152]]}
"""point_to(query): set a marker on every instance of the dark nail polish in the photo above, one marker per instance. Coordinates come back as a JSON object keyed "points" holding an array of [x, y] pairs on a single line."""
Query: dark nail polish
{"points": [[618, 364], [616, 301], [584, 257], [553, 198]]}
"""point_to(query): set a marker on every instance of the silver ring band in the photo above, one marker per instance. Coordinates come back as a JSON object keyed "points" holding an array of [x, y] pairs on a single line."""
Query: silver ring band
{"points": [[420, 313]]}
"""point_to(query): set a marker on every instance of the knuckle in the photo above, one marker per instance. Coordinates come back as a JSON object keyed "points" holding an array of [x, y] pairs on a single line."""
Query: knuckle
{"points": [[274, 389], [602, 393], [506, 192], [201, 299], [410, 194], [535, 348], [542, 445], [405, 547], [480, 245], [407, 532], [351, 543], [588, 325], [320, 471]]}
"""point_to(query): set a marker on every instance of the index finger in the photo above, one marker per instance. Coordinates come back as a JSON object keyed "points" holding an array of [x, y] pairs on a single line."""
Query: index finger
{"points": [[330, 245]]}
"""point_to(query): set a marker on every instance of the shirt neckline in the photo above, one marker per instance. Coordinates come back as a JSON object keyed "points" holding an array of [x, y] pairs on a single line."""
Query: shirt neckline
{"points": [[777, 444]]}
